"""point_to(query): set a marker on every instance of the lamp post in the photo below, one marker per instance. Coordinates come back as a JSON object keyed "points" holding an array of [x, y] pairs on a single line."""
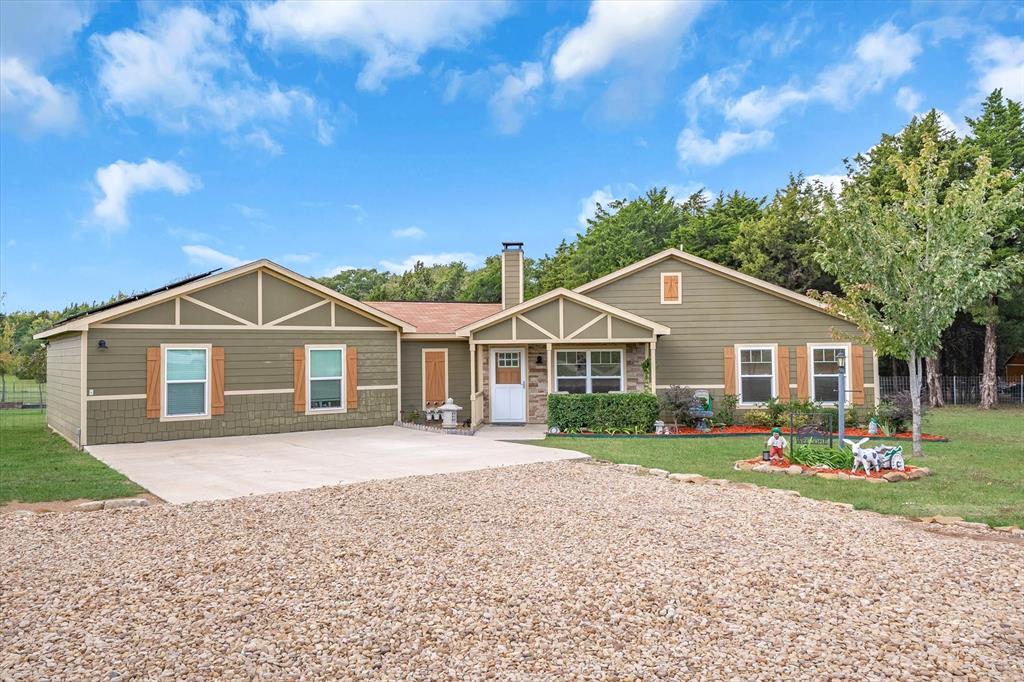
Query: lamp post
{"points": [[841, 364]]}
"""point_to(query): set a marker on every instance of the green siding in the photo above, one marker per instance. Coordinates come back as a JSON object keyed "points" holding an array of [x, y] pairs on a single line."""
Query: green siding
{"points": [[718, 312], [499, 331], [237, 296], [253, 360], [64, 384], [545, 316], [281, 298], [162, 313], [577, 316], [197, 314], [412, 374]]}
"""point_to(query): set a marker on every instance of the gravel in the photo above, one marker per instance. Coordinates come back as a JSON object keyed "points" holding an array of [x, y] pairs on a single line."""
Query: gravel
{"points": [[530, 572]]}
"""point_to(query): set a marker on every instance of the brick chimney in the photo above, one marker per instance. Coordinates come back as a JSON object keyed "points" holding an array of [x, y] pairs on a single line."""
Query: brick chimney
{"points": [[511, 274]]}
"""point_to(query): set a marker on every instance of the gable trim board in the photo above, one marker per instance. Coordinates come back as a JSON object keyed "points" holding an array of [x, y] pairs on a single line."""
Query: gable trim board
{"points": [[259, 266], [708, 266]]}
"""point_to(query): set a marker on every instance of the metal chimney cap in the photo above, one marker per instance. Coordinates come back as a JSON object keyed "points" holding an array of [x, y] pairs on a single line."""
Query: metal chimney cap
{"points": [[512, 246]]}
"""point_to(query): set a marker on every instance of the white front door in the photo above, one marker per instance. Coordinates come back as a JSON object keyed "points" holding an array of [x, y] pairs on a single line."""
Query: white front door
{"points": [[508, 386]]}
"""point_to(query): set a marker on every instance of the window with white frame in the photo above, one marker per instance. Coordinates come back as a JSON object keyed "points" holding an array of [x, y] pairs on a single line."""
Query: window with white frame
{"points": [[186, 377], [825, 373], [326, 389], [757, 374], [588, 371]]}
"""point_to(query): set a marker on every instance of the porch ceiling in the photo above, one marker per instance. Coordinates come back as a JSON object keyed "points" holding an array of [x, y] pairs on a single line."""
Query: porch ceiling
{"points": [[563, 317]]}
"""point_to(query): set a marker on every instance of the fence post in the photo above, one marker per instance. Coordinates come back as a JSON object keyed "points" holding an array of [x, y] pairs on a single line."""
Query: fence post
{"points": [[954, 389]]}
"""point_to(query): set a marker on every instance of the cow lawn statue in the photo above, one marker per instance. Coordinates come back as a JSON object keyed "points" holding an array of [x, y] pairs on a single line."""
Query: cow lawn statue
{"points": [[884, 456]]}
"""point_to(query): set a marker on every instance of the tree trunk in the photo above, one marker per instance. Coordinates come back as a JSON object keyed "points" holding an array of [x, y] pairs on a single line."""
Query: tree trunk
{"points": [[988, 368], [3, 388], [914, 364], [933, 372]]}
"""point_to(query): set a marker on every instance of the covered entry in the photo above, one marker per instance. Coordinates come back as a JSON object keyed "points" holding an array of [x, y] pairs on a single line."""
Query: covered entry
{"points": [[561, 341]]}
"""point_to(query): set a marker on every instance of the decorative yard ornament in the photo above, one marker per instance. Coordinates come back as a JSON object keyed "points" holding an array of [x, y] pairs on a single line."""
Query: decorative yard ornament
{"points": [[872, 427], [449, 414], [776, 445], [862, 457], [890, 457]]}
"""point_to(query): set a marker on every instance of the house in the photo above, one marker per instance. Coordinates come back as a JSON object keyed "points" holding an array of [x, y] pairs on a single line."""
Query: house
{"points": [[261, 349]]}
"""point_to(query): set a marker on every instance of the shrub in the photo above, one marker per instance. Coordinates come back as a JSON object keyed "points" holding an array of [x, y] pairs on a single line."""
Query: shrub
{"points": [[726, 414], [776, 410], [758, 418], [603, 412], [822, 456], [895, 413], [676, 403]]}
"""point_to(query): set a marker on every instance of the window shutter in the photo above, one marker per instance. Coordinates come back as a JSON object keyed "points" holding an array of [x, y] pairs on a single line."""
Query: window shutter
{"points": [[434, 389], [803, 389], [299, 366], [857, 374], [782, 372], [217, 384], [670, 286], [351, 378], [730, 370], [153, 387]]}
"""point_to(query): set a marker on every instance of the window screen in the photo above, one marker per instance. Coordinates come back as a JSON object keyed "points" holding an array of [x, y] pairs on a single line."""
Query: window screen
{"points": [[185, 381], [325, 378]]}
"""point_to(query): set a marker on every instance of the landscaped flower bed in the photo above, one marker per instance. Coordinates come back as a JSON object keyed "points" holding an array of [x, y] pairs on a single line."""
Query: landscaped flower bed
{"points": [[744, 430], [909, 473]]}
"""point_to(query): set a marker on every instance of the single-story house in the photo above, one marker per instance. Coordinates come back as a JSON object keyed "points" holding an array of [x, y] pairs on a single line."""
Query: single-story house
{"points": [[262, 349]]}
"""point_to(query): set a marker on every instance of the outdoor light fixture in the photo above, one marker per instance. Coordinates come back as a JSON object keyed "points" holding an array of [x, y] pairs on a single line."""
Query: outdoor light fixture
{"points": [[102, 344], [540, 359], [841, 364]]}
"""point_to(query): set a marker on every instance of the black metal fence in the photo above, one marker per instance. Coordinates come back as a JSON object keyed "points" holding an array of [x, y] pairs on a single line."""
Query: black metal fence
{"points": [[22, 395], [960, 390]]}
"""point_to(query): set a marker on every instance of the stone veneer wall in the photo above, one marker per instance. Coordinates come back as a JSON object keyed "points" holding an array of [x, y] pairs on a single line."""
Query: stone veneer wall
{"points": [[124, 421]]}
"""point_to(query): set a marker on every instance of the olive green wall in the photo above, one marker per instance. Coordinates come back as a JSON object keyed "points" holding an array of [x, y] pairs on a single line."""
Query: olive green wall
{"points": [[717, 312], [254, 360], [63, 384], [412, 374]]}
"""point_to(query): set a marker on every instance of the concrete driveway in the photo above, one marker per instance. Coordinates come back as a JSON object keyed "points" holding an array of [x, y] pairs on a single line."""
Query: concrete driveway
{"points": [[221, 468]]}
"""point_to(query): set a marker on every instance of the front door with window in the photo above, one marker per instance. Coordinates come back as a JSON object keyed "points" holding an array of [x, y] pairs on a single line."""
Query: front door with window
{"points": [[508, 386]]}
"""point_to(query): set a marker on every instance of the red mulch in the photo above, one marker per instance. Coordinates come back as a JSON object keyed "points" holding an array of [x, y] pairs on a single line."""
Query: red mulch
{"points": [[742, 430], [860, 472]]}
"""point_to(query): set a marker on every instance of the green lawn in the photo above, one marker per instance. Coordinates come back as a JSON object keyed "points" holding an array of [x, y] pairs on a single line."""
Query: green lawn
{"points": [[978, 475], [37, 465]]}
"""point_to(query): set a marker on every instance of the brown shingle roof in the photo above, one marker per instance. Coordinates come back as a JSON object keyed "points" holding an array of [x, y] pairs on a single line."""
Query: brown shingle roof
{"points": [[436, 318]]}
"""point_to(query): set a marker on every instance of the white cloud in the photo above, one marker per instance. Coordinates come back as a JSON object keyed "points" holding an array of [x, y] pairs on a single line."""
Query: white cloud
{"points": [[508, 106], [908, 99], [205, 256], [262, 139], [299, 258], [683, 192], [1000, 63], [393, 36], [621, 31], [710, 90], [832, 182], [182, 69], [879, 57], [588, 204], [32, 102], [470, 259], [412, 232], [37, 31], [337, 270], [121, 179], [694, 148]]}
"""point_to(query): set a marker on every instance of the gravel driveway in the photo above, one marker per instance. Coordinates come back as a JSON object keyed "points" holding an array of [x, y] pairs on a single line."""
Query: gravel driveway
{"points": [[564, 570]]}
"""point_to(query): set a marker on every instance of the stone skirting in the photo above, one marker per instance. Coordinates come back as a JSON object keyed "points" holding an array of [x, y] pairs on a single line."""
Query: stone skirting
{"points": [[124, 421]]}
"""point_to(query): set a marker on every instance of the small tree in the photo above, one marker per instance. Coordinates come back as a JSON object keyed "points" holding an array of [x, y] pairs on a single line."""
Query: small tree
{"points": [[677, 402], [907, 263], [33, 366]]}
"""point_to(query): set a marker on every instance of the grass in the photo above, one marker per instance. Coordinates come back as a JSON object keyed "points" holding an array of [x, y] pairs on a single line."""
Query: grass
{"points": [[37, 465], [978, 475]]}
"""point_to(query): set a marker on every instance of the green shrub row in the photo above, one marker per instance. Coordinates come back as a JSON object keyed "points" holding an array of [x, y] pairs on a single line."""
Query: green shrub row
{"points": [[891, 414], [603, 412]]}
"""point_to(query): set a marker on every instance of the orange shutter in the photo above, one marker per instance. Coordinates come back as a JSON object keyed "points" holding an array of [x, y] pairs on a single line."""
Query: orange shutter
{"points": [[217, 386], [299, 367], [803, 387], [857, 374], [671, 288], [351, 378], [730, 370], [782, 372], [434, 377], [153, 383]]}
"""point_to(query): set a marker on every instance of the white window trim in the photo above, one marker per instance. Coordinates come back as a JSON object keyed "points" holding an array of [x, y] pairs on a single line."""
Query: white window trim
{"points": [[739, 347], [423, 373], [679, 276], [164, 347], [344, 378], [847, 348], [589, 376]]}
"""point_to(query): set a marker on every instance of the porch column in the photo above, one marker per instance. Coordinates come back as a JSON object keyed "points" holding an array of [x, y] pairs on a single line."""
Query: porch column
{"points": [[551, 370], [654, 376], [472, 384]]}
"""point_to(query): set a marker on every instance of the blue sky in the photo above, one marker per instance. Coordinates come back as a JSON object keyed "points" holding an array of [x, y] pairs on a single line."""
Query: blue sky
{"points": [[141, 142]]}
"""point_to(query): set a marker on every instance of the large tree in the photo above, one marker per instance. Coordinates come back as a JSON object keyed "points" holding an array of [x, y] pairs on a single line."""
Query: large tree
{"points": [[778, 245], [359, 283], [909, 258], [710, 231], [999, 133]]}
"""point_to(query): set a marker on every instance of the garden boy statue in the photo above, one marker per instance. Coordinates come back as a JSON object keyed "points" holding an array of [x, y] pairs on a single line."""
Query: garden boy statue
{"points": [[776, 445]]}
